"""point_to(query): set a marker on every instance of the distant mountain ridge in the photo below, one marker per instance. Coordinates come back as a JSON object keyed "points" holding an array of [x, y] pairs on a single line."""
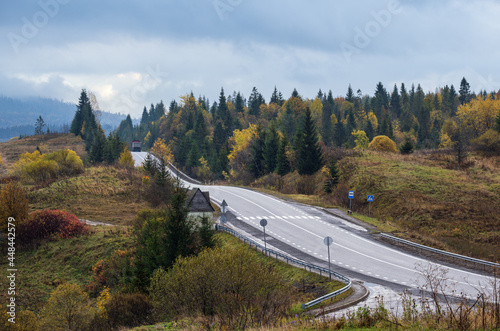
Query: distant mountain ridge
{"points": [[18, 115]]}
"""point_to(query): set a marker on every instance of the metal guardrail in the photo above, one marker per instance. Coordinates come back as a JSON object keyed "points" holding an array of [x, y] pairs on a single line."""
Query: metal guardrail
{"points": [[438, 251], [291, 260], [179, 173]]}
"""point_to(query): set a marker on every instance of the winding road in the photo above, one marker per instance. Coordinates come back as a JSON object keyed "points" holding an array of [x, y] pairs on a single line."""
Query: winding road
{"points": [[299, 230]]}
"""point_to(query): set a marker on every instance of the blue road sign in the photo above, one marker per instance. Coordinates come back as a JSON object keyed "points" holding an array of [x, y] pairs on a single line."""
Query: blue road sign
{"points": [[369, 198], [351, 194]]}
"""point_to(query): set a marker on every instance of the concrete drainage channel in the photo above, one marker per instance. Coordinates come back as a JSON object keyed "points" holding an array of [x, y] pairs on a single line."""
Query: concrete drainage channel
{"points": [[360, 292]]}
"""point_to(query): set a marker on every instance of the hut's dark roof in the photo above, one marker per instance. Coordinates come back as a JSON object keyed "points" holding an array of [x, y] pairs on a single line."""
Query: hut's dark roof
{"points": [[198, 201]]}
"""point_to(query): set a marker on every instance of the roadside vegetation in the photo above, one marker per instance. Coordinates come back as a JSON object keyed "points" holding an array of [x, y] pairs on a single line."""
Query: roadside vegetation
{"points": [[146, 268], [419, 196]]}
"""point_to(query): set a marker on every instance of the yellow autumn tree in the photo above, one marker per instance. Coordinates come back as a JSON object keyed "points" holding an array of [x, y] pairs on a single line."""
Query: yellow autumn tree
{"points": [[479, 115], [162, 151], [373, 118], [239, 155], [361, 139], [68, 308], [383, 144], [316, 111], [203, 170], [126, 160]]}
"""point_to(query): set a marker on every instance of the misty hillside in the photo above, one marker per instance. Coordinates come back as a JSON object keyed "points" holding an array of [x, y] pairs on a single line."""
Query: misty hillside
{"points": [[19, 115]]}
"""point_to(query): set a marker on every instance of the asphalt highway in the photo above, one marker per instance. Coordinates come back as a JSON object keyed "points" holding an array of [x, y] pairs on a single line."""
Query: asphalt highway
{"points": [[300, 229]]}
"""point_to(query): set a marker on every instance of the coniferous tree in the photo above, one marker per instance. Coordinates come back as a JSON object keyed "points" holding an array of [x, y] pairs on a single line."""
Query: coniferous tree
{"points": [[222, 110], [326, 122], [114, 146], [257, 163], [395, 103], [254, 102], [271, 145], [340, 134], [98, 147], [370, 133], [173, 107], [126, 130], [84, 123], [239, 103], [407, 147], [497, 122], [287, 123], [464, 92], [380, 100], [282, 163], [276, 97], [219, 138], [200, 133], [454, 100], [349, 95], [320, 95], [333, 177], [39, 125], [310, 157], [145, 117], [77, 123], [422, 113]]}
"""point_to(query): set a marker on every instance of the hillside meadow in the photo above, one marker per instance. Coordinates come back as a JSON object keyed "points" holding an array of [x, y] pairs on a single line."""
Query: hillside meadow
{"points": [[420, 196]]}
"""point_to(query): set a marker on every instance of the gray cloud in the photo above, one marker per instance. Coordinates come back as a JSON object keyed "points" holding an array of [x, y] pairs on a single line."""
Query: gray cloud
{"points": [[111, 47]]}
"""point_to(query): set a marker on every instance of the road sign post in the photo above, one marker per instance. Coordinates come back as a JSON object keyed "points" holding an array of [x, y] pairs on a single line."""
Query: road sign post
{"points": [[263, 223], [370, 200], [223, 206], [328, 241], [223, 210], [351, 196]]}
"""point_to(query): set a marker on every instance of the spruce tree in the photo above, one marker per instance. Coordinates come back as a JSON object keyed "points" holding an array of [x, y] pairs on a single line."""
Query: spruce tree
{"points": [[39, 124], [326, 122], [257, 163], [395, 103], [464, 92], [98, 147], [145, 117], [82, 118], [406, 148], [380, 100], [333, 177], [275, 98], [310, 157], [340, 133], [239, 103], [370, 133], [222, 110], [254, 102], [271, 145], [497, 122], [350, 94], [282, 163]]}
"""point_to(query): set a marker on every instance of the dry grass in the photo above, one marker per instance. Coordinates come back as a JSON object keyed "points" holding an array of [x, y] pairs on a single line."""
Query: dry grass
{"points": [[12, 149], [431, 202], [104, 193], [421, 196]]}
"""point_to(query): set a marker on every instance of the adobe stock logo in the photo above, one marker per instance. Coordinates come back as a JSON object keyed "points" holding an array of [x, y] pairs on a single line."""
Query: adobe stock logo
{"points": [[372, 29], [224, 7], [31, 28]]}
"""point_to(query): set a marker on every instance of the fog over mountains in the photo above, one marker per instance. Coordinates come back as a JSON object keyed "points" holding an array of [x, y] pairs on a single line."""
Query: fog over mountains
{"points": [[19, 115]]}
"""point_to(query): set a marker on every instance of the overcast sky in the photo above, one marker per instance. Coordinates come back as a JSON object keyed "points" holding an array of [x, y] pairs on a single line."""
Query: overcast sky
{"points": [[134, 53]]}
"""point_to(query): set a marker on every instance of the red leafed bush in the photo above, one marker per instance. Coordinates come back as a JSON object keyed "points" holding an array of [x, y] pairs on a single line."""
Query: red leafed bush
{"points": [[48, 224]]}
